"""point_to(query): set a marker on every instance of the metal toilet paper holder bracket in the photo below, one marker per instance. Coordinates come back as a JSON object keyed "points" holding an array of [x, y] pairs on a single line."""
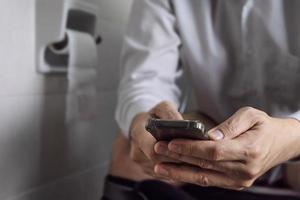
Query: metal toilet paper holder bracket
{"points": [[53, 18]]}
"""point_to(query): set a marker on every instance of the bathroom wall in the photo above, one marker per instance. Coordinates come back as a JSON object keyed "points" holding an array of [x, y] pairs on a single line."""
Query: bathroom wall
{"points": [[39, 159]]}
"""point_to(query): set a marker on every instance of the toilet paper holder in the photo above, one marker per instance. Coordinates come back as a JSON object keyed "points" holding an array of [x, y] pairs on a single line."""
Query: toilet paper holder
{"points": [[53, 18]]}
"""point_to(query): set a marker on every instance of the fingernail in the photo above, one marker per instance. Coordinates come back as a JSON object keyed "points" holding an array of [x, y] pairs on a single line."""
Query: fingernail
{"points": [[161, 148], [216, 135], [162, 171], [175, 148]]}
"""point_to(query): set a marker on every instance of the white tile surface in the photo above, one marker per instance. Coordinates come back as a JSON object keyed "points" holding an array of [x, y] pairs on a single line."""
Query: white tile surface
{"points": [[17, 37], [32, 84], [39, 159], [115, 10], [86, 185], [35, 148]]}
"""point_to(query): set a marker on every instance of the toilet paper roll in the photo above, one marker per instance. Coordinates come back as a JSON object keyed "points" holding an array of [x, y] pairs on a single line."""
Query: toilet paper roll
{"points": [[60, 48], [82, 75]]}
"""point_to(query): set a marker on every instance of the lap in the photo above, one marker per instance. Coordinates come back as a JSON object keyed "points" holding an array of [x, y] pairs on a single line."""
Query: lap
{"points": [[117, 188]]}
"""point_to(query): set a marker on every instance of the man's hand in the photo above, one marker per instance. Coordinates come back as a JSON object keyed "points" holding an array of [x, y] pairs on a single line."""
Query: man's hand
{"points": [[142, 142], [247, 145]]}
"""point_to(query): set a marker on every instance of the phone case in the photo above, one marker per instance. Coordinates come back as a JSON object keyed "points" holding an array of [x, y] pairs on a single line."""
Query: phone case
{"points": [[172, 129]]}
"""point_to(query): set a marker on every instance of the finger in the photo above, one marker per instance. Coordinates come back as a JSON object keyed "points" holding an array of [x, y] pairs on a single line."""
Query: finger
{"points": [[148, 149], [225, 150], [202, 163], [195, 175], [243, 120], [165, 159], [163, 154], [233, 168], [146, 165], [139, 155], [166, 110], [149, 170]]}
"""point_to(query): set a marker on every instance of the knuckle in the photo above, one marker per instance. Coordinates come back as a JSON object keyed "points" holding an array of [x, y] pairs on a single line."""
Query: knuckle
{"points": [[159, 106], [230, 126], [254, 114], [164, 104], [154, 110], [239, 188], [190, 149], [176, 156], [254, 152], [251, 173], [264, 115], [151, 155], [165, 109], [204, 164], [254, 172], [201, 180], [217, 153], [237, 173], [257, 117], [174, 176], [248, 109], [245, 184], [169, 113]]}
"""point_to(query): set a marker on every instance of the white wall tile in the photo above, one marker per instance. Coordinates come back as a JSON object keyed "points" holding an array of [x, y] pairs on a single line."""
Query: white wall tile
{"points": [[17, 37], [39, 157], [115, 10], [32, 84], [35, 147], [86, 185]]}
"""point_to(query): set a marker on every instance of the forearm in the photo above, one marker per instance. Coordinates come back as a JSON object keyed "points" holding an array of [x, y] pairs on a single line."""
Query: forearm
{"points": [[295, 124]]}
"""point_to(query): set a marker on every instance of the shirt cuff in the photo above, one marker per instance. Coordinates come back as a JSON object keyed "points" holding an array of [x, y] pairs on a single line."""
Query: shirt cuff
{"points": [[295, 115], [125, 118]]}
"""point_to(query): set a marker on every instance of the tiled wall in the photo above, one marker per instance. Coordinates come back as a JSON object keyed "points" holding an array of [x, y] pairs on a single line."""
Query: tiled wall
{"points": [[39, 159]]}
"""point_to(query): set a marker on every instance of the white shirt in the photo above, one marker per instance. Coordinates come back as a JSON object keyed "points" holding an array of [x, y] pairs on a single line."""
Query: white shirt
{"points": [[238, 53]]}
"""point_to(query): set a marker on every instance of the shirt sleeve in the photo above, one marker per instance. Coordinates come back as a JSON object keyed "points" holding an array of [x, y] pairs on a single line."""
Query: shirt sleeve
{"points": [[149, 60], [295, 115]]}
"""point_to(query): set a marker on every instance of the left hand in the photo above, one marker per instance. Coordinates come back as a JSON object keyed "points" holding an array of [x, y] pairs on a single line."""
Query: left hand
{"points": [[246, 146]]}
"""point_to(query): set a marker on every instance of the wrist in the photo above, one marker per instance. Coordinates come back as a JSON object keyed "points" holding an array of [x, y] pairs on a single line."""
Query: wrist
{"points": [[295, 131], [137, 120]]}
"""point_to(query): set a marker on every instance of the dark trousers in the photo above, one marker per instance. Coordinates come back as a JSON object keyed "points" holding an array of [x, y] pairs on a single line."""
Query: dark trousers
{"points": [[123, 189]]}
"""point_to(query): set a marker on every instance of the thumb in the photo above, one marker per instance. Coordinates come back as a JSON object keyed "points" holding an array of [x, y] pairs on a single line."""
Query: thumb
{"points": [[166, 110], [240, 122]]}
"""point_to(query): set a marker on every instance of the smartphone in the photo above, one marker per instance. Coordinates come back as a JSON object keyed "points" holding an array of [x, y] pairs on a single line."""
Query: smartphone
{"points": [[172, 129]]}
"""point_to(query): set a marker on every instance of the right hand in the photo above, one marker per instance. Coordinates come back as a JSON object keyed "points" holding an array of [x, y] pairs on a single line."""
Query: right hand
{"points": [[142, 142]]}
